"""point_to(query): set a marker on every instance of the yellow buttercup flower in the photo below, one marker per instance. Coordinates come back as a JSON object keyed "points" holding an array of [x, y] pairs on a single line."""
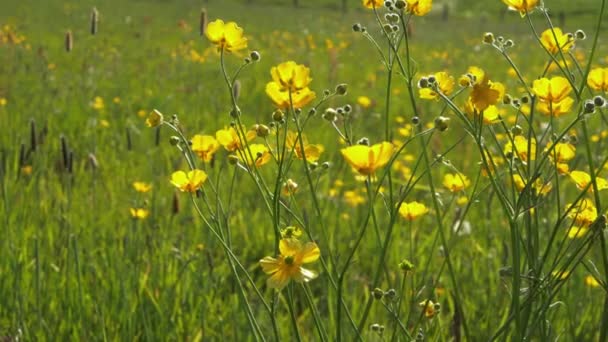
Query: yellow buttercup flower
{"points": [[456, 182], [367, 159], [259, 152], [541, 188], [139, 213], [562, 152], [188, 182], [204, 146], [364, 101], [226, 36], [142, 187], [485, 92], [311, 151], [583, 213], [288, 264], [556, 109], [373, 3], [582, 180], [229, 138], [445, 84], [519, 148], [289, 85], [412, 210], [591, 281], [418, 7], [598, 79], [576, 232], [98, 103], [552, 90], [555, 40], [522, 6]]}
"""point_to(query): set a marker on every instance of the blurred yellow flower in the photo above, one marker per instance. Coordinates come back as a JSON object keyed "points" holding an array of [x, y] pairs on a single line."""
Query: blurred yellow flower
{"points": [[412, 210], [189, 182], [2, 102], [289, 85], [554, 40], [519, 148], [139, 213], [142, 187], [456, 182], [98, 103], [289, 187], [522, 6], [373, 3], [591, 281], [576, 232], [445, 84], [598, 79], [552, 90], [353, 198], [583, 213], [582, 180], [288, 265], [204, 146], [311, 151], [155, 118], [226, 36], [229, 138], [418, 7], [364, 101], [541, 188], [367, 159]]}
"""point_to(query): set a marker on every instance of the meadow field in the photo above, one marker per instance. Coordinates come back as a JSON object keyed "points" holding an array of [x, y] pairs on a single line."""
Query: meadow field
{"points": [[253, 170]]}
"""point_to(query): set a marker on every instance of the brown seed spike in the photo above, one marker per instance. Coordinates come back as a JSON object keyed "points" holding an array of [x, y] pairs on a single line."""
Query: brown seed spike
{"points": [[69, 41], [203, 22], [94, 21]]}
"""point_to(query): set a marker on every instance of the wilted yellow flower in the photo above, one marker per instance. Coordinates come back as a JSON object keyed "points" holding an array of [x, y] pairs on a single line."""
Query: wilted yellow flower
{"points": [[519, 148], [445, 84], [311, 151], [522, 6], [142, 187], [204, 146], [582, 180], [289, 187], [430, 309], [226, 36], [554, 40], [288, 265], [260, 153], [412, 210], [289, 85], [139, 213], [229, 138], [552, 90], [556, 109], [155, 118], [373, 3], [367, 159], [456, 182], [598, 79], [189, 182], [418, 7]]}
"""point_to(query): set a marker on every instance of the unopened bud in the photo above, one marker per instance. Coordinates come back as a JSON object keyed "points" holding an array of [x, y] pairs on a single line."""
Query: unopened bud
{"points": [[377, 293], [488, 37], [262, 130], [357, 27], [580, 35], [255, 56], [341, 89], [400, 4], [363, 141], [233, 159], [278, 115], [174, 140], [599, 101], [588, 107], [516, 130], [441, 123], [330, 115]]}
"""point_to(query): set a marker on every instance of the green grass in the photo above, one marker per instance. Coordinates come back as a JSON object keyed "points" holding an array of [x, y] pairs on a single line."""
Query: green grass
{"points": [[74, 265]]}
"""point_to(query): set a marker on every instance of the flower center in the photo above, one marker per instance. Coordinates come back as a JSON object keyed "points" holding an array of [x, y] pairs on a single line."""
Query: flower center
{"points": [[289, 260]]}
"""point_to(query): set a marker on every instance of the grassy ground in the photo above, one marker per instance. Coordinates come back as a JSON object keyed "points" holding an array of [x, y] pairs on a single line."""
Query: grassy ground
{"points": [[75, 265]]}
